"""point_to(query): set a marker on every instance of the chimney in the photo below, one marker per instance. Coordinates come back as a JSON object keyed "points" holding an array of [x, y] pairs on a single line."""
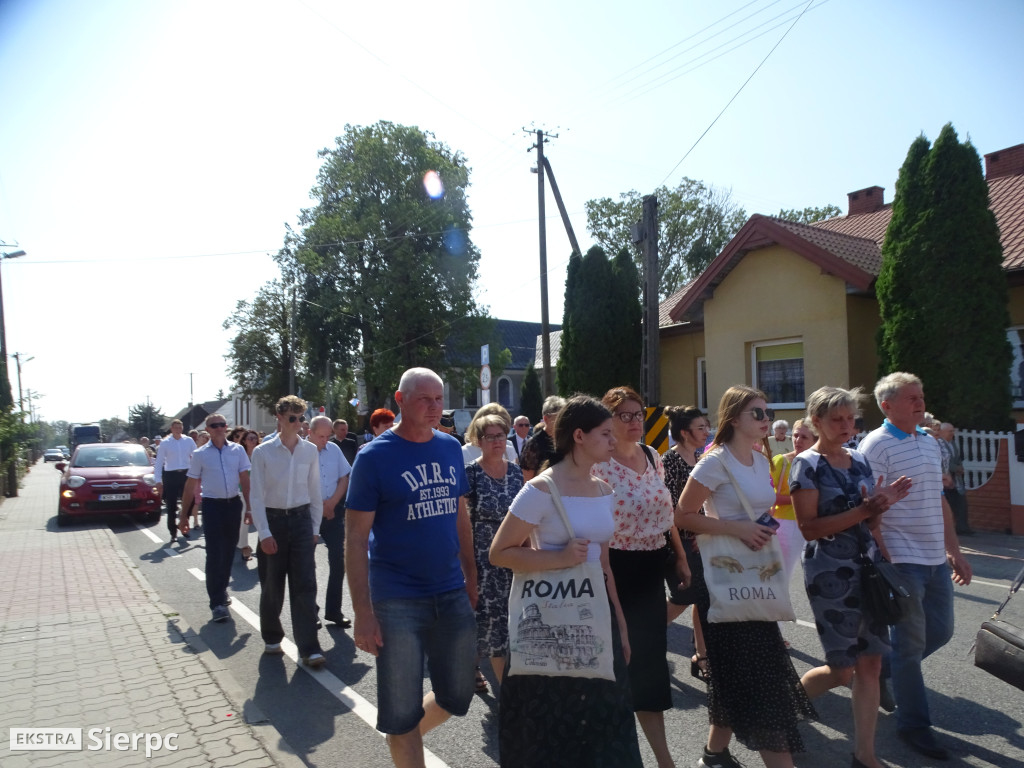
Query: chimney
{"points": [[1005, 162], [866, 200]]}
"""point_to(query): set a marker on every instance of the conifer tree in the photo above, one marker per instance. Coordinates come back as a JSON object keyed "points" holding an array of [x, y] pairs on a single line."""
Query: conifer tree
{"points": [[942, 290], [531, 398]]}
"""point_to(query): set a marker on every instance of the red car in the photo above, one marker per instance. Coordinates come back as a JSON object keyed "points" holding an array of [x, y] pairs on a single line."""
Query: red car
{"points": [[108, 478]]}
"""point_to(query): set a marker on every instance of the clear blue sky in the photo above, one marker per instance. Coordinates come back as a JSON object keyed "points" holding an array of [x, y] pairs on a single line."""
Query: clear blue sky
{"points": [[152, 152]]}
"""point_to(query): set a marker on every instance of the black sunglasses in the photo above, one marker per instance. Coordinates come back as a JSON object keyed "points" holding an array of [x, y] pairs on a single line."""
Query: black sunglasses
{"points": [[216, 425], [760, 414], [293, 418]]}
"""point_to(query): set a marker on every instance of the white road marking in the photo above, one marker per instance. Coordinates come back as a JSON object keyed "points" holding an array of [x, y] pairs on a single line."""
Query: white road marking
{"points": [[803, 623], [149, 534], [328, 680]]}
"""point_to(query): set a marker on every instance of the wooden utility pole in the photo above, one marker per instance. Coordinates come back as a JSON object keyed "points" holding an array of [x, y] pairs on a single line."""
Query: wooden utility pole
{"points": [[546, 379], [561, 209], [646, 235]]}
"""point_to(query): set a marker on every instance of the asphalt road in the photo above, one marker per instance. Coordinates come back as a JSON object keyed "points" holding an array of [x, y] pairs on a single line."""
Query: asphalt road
{"points": [[327, 717]]}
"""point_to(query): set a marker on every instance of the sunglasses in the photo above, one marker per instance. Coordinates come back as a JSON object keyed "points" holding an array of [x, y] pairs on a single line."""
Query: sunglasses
{"points": [[293, 418], [216, 425], [627, 416], [494, 438], [760, 414]]}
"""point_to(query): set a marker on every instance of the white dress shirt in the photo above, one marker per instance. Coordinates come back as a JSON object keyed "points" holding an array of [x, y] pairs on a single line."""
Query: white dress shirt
{"points": [[333, 467], [173, 454], [284, 479]]}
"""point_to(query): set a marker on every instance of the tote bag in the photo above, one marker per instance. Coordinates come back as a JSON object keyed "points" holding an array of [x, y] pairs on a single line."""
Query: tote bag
{"points": [[559, 621], [744, 585]]}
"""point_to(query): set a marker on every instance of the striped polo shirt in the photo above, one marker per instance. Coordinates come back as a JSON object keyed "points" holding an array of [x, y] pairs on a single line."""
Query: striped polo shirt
{"points": [[913, 529]]}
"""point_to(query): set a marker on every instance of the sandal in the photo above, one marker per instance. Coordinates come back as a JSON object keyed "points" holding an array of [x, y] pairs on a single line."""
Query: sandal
{"points": [[699, 667], [481, 682]]}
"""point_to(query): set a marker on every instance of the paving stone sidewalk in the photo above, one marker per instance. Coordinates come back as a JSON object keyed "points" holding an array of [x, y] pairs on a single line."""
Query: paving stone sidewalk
{"points": [[86, 643]]}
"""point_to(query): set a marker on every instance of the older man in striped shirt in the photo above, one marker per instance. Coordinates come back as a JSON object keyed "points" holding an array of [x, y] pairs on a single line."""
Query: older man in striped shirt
{"points": [[918, 535]]}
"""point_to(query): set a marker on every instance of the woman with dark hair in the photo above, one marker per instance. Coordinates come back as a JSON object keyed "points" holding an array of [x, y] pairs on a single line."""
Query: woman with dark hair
{"points": [[753, 689], [637, 553], [689, 428], [553, 721]]}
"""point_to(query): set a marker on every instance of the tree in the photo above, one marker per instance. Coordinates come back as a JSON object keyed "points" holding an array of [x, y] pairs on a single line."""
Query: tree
{"points": [[261, 351], [143, 419], [694, 224], [810, 215], [384, 265], [531, 397], [942, 290], [600, 343]]}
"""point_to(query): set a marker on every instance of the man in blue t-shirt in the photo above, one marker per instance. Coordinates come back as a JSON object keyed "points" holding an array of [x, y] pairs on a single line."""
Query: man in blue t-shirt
{"points": [[415, 594]]}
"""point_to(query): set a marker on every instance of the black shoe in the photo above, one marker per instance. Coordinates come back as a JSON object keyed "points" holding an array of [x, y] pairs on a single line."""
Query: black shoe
{"points": [[718, 760], [923, 740], [885, 699], [339, 619]]}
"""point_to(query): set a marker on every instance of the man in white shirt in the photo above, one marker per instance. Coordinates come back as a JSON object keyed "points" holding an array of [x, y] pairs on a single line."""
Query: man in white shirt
{"points": [[520, 434], [221, 469], [287, 509], [918, 535], [173, 459], [334, 471]]}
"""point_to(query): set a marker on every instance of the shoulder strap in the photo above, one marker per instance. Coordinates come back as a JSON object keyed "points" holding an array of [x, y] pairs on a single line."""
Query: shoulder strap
{"points": [[1013, 588], [556, 498], [736, 486], [648, 451]]}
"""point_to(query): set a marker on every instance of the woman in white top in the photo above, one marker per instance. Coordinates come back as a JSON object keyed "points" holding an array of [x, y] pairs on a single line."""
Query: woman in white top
{"points": [[753, 689], [564, 722]]}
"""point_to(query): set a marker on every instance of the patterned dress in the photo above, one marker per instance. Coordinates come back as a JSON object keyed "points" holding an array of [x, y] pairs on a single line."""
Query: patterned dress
{"points": [[677, 472], [832, 564], [488, 500]]}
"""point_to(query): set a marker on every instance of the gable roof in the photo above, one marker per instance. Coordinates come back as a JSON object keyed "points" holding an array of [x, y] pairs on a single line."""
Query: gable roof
{"points": [[853, 259], [521, 340]]}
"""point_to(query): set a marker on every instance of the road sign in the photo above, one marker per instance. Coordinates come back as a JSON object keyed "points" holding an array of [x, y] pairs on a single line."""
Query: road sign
{"points": [[485, 377]]}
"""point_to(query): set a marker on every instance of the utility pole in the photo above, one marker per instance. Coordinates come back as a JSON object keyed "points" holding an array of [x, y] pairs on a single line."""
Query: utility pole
{"points": [[645, 234], [191, 402], [545, 327], [291, 346], [21, 403]]}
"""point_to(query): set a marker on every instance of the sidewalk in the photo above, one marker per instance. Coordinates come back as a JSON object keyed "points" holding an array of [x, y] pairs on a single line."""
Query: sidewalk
{"points": [[86, 643]]}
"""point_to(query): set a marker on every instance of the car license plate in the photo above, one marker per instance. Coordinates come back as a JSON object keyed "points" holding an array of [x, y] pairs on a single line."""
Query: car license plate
{"points": [[115, 496]]}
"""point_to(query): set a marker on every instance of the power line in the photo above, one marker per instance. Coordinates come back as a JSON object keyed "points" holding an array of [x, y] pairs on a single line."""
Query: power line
{"points": [[735, 95]]}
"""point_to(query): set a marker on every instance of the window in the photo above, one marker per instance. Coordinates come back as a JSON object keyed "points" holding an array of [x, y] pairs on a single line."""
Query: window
{"points": [[1015, 336], [778, 371], [702, 383], [505, 392]]}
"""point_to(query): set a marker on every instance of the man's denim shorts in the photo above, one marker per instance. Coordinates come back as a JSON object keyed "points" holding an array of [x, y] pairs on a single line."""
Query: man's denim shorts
{"points": [[443, 628]]}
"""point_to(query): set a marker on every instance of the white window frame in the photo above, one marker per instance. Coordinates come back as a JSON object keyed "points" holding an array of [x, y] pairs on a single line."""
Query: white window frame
{"points": [[754, 346], [1018, 354], [702, 380]]}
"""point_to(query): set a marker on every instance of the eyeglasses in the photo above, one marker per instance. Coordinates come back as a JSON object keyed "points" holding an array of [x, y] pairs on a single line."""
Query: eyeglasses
{"points": [[251, 437], [627, 416], [216, 425], [293, 418], [760, 414], [493, 438]]}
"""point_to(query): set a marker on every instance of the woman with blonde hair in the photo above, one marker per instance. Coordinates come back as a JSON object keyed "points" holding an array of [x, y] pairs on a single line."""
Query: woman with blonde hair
{"points": [[753, 690], [471, 450]]}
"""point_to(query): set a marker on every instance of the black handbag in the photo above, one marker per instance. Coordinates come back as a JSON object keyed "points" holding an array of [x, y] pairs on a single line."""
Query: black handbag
{"points": [[883, 591], [999, 645]]}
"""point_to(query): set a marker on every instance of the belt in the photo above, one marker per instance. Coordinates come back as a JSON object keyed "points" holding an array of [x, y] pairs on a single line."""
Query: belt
{"points": [[166, 471], [278, 512], [220, 498]]}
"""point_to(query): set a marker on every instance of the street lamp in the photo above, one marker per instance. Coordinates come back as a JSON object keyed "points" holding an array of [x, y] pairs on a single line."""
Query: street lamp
{"points": [[5, 382]]}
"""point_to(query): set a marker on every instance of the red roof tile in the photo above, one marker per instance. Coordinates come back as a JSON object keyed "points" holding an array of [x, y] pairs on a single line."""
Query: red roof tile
{"points": [[1006, 199]]}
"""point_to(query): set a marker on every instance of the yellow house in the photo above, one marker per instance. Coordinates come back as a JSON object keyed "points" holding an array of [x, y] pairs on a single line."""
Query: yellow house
{"points": [[789, 307]]}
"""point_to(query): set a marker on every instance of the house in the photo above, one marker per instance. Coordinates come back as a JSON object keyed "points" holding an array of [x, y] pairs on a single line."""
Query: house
{"points": [[789, 307]]}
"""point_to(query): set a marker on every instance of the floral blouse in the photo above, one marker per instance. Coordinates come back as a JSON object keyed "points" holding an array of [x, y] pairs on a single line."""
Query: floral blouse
{"points": [[643, 505]]}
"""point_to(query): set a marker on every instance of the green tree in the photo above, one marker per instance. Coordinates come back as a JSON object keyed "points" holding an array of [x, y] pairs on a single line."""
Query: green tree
{"points": [[384, 262], [810, 215], [600, 344], [942, 289], [695, 222], [531, 397], [144, 419]]}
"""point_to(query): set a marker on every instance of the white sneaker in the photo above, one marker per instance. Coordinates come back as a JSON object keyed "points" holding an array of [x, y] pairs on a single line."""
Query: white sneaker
{"points": [[274, 649], [314, 660]]}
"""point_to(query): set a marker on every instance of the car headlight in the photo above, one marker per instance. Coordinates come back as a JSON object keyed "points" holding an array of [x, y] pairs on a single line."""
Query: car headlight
{"points": [[75, 481], [149, 479]]}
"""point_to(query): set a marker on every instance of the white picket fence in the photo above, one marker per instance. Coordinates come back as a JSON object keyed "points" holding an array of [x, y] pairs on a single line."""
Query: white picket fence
{"points": [[980, 450]]}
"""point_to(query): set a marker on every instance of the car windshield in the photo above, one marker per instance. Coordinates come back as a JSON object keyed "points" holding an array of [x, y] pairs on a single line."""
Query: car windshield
{"points": [[104, 455]]}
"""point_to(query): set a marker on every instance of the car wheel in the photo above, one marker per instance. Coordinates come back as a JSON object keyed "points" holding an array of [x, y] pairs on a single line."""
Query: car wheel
{"points": [[63, 519], [152, 517]]}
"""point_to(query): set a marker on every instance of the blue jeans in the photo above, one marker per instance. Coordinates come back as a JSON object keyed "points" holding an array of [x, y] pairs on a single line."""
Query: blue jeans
{"points": [[333, 533], [292, 561], [442, 627], [221, 521], [926, 627]]}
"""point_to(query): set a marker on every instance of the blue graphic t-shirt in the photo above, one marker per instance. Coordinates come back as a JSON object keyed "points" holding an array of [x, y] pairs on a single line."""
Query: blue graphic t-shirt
{"points": [[414, 489]]}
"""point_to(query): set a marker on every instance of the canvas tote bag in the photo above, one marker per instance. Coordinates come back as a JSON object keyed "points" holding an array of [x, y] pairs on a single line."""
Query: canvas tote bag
{"points": [[744, 585], [559, 621]]}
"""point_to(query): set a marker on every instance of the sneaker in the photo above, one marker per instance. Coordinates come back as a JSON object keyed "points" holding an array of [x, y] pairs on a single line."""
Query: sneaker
{"points": [[274, 649], [221, 613], [718, 760], [339, 619], [314, 660]]}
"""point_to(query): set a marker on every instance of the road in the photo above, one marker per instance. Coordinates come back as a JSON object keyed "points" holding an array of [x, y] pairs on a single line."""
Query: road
{"points": [[327, 717]]}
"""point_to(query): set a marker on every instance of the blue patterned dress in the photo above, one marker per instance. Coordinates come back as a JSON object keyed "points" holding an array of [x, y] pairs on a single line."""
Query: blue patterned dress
{"points": [[832, 564]]}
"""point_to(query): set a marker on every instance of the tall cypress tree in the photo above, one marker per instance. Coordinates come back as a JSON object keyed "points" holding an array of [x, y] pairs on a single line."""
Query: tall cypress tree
{"points": [[627, 333], [531, 397], [942, 289]]}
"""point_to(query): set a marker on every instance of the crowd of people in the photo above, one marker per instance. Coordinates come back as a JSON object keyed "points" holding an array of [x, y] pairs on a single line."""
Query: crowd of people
{"points": [[431, 529]]}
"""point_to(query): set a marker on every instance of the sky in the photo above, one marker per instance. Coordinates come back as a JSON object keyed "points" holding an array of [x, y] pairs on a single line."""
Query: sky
{"points": [[152, 153]]}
